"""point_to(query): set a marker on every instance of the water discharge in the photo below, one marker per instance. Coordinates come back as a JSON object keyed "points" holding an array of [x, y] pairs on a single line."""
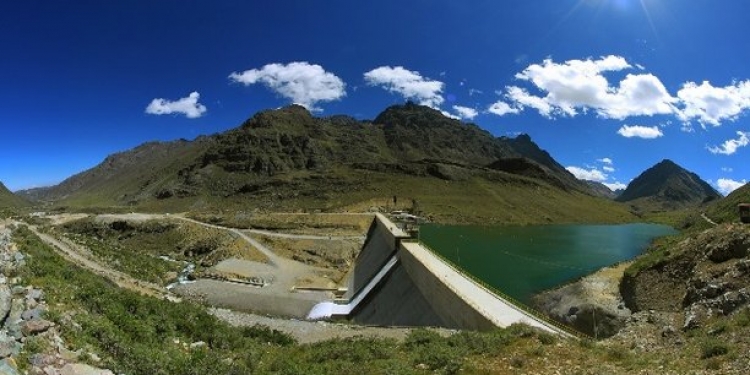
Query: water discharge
{"points": [[523, 260]]}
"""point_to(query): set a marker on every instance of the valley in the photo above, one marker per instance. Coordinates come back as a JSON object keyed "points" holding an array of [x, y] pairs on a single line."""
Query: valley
{"points": [[247, 230]]}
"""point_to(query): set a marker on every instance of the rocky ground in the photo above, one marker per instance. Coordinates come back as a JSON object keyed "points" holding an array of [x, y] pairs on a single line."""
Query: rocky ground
{"points": [[592, 305], [22, 313]]}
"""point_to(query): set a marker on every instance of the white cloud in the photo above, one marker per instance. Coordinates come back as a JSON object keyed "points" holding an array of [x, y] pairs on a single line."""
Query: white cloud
{"points": [[591, 174], [644, 132], [727, 169], [609, 169], [730, 146], [523, 99], [615, 185], [188, 106], [712, 105], [407, 83], [502, 108], [605, 161], [449, 115], [577, 86], [465, 112], [304, 83], [726, 185], [473, 92]]}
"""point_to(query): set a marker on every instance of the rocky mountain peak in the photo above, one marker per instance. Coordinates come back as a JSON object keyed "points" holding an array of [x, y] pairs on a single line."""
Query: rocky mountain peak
{"points": [[669, 185]]}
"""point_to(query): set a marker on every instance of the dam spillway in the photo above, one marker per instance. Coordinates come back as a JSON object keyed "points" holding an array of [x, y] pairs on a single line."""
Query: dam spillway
{"points": [[396, 281]]}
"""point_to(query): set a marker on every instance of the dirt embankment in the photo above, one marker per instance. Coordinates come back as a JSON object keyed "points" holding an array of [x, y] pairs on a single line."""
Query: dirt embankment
{"points": [[591, 305]]}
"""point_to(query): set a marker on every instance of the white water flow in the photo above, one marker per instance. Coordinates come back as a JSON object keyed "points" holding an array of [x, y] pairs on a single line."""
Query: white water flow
{"points": [[328, 309]]}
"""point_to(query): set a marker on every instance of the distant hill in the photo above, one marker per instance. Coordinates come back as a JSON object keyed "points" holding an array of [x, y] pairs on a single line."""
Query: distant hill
{"points": [[287, 159], [667, 186], [8, 199], [601, 190], [725, 210]]}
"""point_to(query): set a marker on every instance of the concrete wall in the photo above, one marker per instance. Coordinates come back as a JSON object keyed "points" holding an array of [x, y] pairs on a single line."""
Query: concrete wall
{"points": [[423, 290], [381, 243], [396, 301]]}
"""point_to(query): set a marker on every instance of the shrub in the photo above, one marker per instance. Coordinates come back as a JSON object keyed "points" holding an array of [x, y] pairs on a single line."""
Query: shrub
{"points": [[713, 348]]}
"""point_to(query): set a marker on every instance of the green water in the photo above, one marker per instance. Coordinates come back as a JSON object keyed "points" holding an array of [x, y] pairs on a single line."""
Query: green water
{"points": [[524, 260]]}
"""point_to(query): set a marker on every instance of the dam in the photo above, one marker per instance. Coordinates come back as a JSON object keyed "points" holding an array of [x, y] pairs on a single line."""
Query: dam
{"points": [[397, 281]]}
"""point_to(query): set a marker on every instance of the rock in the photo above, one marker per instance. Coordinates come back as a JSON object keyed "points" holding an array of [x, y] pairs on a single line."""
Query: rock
{"points": [[694, 316], [6, 301], [198, 344], [18, 290], [33, 327], [8, 348], [667, 331], [42, 360], [35, 294], [8, 367], [82, 369], [32, 314]]}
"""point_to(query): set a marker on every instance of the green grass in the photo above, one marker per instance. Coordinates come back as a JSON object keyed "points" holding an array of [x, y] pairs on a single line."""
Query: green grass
{"points": [[137, 334]]}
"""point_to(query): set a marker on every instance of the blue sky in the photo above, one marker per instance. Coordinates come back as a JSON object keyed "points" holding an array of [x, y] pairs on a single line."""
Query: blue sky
{"points": [[608, 87]]}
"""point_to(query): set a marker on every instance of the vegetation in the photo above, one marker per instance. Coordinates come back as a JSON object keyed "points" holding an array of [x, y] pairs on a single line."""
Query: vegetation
{"points": [[137, 248], [10, 200], [137, 334], [287, 160]]}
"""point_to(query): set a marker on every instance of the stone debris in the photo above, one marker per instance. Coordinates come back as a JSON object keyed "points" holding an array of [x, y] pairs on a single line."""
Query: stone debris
{"points": [[22, 316]]}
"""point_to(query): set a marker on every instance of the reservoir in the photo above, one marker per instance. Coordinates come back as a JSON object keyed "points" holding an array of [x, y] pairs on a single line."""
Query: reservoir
{"points": [[521, 261]]}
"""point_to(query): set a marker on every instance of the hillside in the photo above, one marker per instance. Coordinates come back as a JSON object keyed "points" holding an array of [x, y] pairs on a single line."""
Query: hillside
{"points": [[667, 186], [8, 199], [409, 157], [725, 210]]}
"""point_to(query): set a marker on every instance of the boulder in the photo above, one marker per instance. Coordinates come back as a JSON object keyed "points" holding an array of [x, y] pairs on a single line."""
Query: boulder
{"points": [[8, 367], [6, 301], [82, 369], [33, 327], [32, 314]]}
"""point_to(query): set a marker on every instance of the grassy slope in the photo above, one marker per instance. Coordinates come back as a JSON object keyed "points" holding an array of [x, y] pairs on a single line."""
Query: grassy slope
{"points": [[516, 199], [138, 334], [725, 210], [10, 200]]}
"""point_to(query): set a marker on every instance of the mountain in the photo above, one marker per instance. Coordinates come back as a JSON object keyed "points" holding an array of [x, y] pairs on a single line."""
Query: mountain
{"points": [[601, 190], [666, 185], [287, 159], [8, 199]]}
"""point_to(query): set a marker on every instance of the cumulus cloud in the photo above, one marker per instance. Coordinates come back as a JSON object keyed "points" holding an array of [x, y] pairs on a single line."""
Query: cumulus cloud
{"points": [[591, 174], [579, 86], [188, 106], [730, 146], [712, 105], [726, 185], [304, 83], [645, 132], [615, 185], [467, 113], [608, 168], [605, 161], [502, 108], [407, 83]]}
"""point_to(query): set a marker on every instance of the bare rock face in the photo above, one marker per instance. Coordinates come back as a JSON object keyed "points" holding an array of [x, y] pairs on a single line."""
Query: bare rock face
{"points": [[707, 275]]}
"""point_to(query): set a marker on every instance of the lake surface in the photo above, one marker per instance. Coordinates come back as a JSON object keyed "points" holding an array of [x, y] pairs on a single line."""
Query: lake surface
{"points": [[524, 260]]}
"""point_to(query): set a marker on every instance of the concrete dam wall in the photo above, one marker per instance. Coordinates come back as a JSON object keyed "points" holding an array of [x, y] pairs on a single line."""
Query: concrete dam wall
{"points": [[398, 282]]}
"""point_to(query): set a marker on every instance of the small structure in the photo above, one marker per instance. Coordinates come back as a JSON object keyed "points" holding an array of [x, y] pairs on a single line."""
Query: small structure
{"points": [[744, 212]]}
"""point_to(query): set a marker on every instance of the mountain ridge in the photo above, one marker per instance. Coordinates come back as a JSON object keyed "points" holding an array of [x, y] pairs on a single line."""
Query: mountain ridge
{"points": [[288, 159], [667, 185]]}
